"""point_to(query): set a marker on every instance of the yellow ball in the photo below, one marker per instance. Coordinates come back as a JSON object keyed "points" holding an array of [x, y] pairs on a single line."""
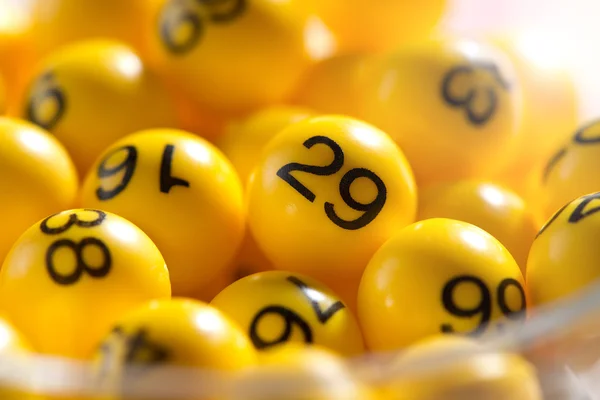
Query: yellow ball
{"points": [[71, 275], [564, 256], [59, 22], [570, 171], [277, 307], [38, 178], [90, 94], [182, 192], [327, 193], [453, 106], [176, 333], [494, 208], [459, 368], [297, 372], [336, 85], [379, 25], [245, 139], [439, 276], [236, 54]]}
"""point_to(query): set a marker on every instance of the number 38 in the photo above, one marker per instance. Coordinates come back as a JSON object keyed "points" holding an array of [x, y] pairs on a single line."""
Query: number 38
{"points": [[371, 210]]}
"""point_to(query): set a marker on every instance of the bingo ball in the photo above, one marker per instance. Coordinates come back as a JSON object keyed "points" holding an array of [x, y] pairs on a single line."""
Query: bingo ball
{"points": [[72, 274], [182, 192], [236, 55], [276, 308], [439, 276], [563, 257], [92, 93], [170, 333], [326, 194], [453, 106]]}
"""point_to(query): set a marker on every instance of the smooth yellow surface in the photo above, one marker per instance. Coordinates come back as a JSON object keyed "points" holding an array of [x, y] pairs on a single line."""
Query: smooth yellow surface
{"points": [[563, 257], [60, 22], [13, 347], [570, 171], [412, 283], [494, 208], [302, 373], [380, 25], [237, 54], [245, 139], [64, 305], [299, 235], [336, 85], [453, 106], [460, 369], [268, 304], [38, 178], [549, 107], [16, 53], [106, 94], [198, 222], [179, 332]]}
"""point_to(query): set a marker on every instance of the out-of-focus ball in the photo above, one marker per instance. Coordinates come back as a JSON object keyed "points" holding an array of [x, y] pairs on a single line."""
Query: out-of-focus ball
{"points": [[245, 139], [276, 308], [453, 106], [327, 193], [301, 373], [182, 192], [336, 85], [459, 368], [91, 94], [439, 276], [381, 25], [38, 178], [235, 55], [564, 256], [177, 333], [60, 22], [494, 208], [570, 171], [71, 275]]}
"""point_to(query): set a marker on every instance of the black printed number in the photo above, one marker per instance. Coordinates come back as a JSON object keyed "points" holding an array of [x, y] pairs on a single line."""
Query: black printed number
{"points": [[484, 307], [322, 315], [81, 267], [46, 93], [371, 210], [578, 214], [178, 16], [291, 318], [472, 99], [139, 350], [73, 220], [181, 23], [78, 248], [127, 168]]}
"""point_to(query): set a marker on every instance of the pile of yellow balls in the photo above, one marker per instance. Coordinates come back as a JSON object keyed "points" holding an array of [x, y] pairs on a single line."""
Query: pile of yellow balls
{"points": [[266, 190]]}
